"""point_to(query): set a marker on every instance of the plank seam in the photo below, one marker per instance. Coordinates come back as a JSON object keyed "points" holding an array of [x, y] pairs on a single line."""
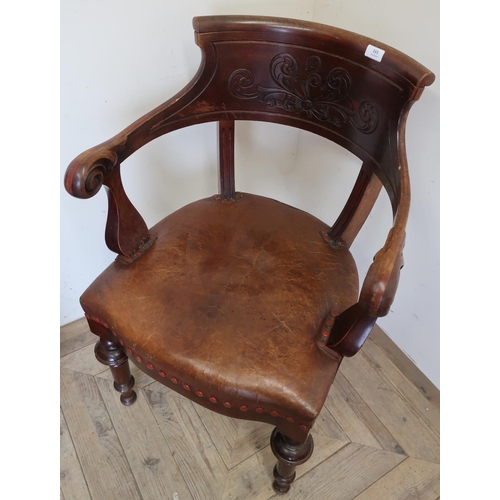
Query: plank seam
{"points": [[118, 437], [381, 477], [383, 374], [355, 410], [76, 452]]}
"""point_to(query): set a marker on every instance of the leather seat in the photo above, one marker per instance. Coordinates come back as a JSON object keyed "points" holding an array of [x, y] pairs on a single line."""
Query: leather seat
{"points": [[244, 286]]}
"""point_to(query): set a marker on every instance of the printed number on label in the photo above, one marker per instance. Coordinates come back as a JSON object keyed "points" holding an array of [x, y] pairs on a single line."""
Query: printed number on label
{"points": [[374, 53]]}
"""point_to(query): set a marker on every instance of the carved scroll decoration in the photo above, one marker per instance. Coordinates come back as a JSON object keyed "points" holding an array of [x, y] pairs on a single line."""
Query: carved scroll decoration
{"points": [[307, 92]]}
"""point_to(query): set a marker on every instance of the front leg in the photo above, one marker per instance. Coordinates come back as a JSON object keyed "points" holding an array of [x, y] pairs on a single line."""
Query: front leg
{"points": [[289, 453], [110, 353]]}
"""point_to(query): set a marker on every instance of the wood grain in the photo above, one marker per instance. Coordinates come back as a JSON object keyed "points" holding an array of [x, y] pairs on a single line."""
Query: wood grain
{"points": [[396, 414], [236, 440], [83, 361], [190, 444], [327, 425], [357, 419], [150, 459], [73, 484], [412, 480], [406, 366], [345, 474], [412, 394], [101, 455], [74, 336]]}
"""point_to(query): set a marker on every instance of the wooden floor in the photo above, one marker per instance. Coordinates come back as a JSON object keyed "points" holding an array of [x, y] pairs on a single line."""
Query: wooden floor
{"points": [[376, 438]]}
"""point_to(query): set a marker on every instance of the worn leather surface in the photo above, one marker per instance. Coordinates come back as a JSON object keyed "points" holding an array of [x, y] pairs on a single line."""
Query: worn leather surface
{"points": [[228, 304]]}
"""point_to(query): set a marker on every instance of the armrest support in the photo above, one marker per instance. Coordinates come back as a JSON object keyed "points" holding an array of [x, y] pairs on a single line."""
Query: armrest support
{"points": [[350, 329], [126, 232]]}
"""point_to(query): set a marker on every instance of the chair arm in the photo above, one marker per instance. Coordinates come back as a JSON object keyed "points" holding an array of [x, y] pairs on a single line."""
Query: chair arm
{"points": [[382, 278], [126, 232], [85, 174], [347, 332]]}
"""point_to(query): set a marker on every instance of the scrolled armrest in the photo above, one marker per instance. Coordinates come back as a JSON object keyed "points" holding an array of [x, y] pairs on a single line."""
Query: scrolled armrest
{"points": [[85, 174]]}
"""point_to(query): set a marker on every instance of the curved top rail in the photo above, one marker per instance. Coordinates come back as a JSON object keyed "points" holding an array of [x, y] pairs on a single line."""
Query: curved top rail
{"points": [[394, 60]]}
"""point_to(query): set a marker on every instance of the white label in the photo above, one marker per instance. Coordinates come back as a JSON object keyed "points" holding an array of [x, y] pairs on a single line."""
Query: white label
{"points": [[374, 53]]}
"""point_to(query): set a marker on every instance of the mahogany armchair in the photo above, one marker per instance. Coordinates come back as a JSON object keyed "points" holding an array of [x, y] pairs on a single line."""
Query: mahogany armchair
{"points": [[242, 304]]}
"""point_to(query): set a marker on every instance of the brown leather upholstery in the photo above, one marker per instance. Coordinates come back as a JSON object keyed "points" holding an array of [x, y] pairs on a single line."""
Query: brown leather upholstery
{"points": [[229, 303]]}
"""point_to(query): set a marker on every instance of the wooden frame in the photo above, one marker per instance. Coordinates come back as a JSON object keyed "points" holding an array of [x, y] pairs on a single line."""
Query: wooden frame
{"points": [[306, 75]]}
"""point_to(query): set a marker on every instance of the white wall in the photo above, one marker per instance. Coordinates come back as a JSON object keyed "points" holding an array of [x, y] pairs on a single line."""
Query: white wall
{"points": [[121, 58]]}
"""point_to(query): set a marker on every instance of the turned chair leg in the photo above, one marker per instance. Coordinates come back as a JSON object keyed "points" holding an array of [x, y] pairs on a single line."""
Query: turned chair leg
{"points": [[289, 453], [111, 354]]}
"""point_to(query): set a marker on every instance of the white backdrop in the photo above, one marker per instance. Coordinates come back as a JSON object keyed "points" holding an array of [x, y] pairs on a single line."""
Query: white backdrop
{"points": [[121, 58]]}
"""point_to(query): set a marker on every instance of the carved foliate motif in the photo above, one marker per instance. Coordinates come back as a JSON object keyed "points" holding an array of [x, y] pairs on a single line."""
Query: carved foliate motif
{"points": [[307, 92]]}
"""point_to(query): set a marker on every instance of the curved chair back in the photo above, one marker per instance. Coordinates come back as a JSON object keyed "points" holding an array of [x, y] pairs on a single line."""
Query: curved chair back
{"points": [[306, 75]]}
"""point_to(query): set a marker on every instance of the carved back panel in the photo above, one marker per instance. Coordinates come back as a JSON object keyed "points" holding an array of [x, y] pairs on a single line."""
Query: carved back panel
{"points": [[301, 74]]}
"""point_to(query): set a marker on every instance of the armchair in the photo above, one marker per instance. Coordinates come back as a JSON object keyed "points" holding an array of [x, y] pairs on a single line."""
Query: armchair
{"points": [[240, 303]]}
